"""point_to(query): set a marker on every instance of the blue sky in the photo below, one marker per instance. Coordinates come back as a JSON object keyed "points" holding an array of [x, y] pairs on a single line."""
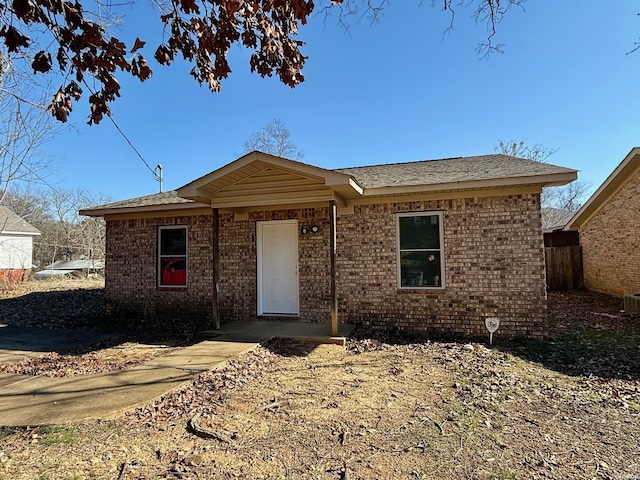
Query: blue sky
{"points": [[393, 91]]}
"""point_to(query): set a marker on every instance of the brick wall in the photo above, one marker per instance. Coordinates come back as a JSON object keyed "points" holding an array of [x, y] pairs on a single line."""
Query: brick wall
{"points": [[238, 277], [131, 275], [494, 266], [14, 275], [611, 243]]}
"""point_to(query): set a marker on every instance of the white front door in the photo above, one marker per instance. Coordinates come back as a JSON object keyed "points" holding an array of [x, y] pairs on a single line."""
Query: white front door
{"points": [[277, 252]]}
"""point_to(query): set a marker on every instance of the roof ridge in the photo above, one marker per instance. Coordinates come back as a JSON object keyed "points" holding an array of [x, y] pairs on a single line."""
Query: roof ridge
{"points": [[427, 161]]}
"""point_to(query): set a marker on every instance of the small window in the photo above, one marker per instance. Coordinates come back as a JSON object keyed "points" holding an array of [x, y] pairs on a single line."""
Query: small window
{"points": [[420, 254], [172, 256]]}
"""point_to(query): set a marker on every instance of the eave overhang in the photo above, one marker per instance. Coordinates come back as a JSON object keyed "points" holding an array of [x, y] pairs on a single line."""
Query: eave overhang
{"points": [[16, 233], [547, 180], [259, 179], [169, 207], [629, 166]]}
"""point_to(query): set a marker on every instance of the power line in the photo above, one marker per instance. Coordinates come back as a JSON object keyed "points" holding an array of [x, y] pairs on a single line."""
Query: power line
{"points": [[153, 172]]}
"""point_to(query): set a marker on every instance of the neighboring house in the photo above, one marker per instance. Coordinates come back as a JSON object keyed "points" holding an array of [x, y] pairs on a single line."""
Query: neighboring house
{"points": [[16, 246], [431, 246], [553, 223], [609, 226], [70, 267]]}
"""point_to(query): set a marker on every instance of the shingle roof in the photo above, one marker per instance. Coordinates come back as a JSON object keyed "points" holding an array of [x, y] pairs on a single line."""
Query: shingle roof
{"points": [[157, 201], [425, 172], [164, 198], [460, 169], [12, 223], [555, 218]]}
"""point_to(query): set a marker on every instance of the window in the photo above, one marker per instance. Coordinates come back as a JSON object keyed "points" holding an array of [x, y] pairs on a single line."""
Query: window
{"points": [[172, 256], [420, 253]]}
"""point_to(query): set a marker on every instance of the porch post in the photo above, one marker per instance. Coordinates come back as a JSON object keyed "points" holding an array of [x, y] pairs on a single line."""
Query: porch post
{"points": [[215, 230], [332, 243]]}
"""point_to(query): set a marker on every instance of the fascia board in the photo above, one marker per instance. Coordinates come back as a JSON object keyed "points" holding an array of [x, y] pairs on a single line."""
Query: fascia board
{"points": [[194, 189], [543, 180], [623, 172], [28, 234], [101, 212]]}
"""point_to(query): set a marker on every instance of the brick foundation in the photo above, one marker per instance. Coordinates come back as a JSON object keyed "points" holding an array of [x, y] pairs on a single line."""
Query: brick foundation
{"points": [[15, 275]]}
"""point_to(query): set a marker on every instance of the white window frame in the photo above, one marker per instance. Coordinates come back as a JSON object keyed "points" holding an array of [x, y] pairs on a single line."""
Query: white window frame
{"points": [[440, 216], [160, 256]]}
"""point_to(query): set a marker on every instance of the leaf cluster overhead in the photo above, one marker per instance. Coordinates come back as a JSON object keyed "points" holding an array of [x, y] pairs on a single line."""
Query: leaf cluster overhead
{"points": [[74, 43], [202, 31]]}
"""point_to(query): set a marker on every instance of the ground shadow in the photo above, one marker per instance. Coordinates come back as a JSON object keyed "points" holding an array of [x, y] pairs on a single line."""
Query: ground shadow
{"points": [[588, 335], [73, 322], [290, 348], [58, 309]]}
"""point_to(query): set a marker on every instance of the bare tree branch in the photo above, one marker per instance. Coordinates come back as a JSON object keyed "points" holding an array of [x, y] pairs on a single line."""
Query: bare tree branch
{"points": [[274, 138], [567, 197], [25, 127]]}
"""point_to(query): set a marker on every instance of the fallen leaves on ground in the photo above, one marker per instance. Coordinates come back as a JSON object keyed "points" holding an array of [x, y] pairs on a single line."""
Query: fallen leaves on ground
{"points": [[388, 406], [101, 360], [57, 303]]}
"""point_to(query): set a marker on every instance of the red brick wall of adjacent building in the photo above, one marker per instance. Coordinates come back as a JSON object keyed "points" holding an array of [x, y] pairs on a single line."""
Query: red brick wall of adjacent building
{"points": [[15, 275], [494, 266], [611, 243]]}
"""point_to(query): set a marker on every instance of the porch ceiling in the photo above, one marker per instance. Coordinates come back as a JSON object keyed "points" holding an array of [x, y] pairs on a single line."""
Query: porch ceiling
{"points": [[259, 179]]}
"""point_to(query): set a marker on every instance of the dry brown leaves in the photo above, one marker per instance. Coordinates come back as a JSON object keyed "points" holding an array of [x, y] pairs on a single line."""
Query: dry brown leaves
{"points": [[387, 407], [103, 360], [205, 395]]}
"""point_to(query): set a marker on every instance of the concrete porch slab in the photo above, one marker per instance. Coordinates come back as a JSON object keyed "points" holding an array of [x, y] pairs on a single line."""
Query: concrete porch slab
{"points": [[259, 331]]}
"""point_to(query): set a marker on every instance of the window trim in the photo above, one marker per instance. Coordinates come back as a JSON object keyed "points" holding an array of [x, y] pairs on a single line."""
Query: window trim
{"points": [[159, 256], [428, 213]]}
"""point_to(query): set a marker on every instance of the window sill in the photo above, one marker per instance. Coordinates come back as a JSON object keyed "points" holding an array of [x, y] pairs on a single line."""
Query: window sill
{"points": [[171, 288], [421, 289]]}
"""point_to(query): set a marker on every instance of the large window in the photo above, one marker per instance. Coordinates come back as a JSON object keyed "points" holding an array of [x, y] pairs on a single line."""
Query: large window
{"points": [[172, 256], [420, 253]]}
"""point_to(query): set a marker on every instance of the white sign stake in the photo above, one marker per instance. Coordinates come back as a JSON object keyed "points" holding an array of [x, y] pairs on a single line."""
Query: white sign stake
{"points": [[492, 324]]}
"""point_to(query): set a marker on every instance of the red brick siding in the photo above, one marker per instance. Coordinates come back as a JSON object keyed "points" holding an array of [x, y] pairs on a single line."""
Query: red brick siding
{"points": [[611, 243], [15, 275], [131, 274], [494, 267]]}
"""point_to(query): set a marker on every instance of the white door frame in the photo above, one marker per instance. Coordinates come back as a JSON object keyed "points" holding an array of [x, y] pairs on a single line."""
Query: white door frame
{"points": [[260, 258]]}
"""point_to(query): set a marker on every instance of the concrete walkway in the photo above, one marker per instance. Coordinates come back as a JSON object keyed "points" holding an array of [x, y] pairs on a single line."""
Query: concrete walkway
{"points": [[34, 401]]}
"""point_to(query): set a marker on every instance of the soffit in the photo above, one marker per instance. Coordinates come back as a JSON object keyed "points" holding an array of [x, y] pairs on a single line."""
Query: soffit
{"points": [[259, 179]]}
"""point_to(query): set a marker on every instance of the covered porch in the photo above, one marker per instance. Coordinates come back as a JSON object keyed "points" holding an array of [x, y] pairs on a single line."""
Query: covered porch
{"points": [[242, 192]]}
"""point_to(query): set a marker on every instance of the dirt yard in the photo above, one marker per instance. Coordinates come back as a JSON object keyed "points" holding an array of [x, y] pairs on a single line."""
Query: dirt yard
{"points": [[386, 407]]}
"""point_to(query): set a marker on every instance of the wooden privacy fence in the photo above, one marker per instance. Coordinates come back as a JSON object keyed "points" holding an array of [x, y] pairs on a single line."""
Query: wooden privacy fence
{"points": [[564, 268]]}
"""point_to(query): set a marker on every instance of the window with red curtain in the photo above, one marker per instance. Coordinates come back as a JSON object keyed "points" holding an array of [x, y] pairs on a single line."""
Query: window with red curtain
{"points": [[172, 256]]}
